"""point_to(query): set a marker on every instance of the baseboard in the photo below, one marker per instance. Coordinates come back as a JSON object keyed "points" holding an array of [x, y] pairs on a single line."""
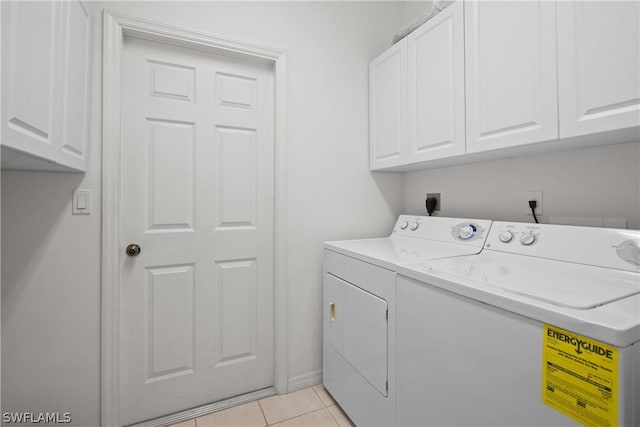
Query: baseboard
{"points": [[305, 380]]}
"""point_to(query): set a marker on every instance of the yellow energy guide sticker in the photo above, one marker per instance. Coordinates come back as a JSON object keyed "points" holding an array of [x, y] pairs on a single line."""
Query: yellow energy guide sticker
{"points": [[580, 377]]}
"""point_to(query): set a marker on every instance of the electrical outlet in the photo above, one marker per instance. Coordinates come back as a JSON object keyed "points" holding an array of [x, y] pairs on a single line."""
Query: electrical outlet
{"points": [[533, 195], [437, 197]]}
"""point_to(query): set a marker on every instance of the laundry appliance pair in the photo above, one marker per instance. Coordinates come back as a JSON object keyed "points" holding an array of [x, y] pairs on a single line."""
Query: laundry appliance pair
{"points": [[470, 322]]}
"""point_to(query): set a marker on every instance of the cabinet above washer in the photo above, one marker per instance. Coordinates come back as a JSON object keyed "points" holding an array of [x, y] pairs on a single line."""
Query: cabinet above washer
{"points": [[46, 65], [533, 77], [598, 66]]}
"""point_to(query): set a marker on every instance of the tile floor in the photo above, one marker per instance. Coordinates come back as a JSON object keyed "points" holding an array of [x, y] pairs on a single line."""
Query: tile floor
{"points": [[310, 407]]}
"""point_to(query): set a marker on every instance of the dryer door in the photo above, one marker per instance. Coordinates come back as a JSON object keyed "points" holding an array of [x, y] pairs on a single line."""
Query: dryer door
{"points": [[357, 329]]}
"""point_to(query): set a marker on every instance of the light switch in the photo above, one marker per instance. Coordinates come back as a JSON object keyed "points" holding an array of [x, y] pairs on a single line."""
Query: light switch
{"points": [[81, 204]]}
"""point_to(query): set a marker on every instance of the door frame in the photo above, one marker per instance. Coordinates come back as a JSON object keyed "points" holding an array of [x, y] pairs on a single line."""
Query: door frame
{"points": [[115, 28]]}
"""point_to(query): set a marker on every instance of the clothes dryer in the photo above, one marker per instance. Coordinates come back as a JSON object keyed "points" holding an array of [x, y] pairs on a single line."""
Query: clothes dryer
{"points": [[359, 307]]}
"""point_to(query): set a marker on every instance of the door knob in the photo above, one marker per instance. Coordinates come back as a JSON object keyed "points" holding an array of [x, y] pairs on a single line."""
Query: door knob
{"points": [[133, 250]]}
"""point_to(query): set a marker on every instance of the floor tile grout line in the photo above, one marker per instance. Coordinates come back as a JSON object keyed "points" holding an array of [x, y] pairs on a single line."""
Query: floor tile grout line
{"points": [[333, 401], [334, 418], [313, 387], [324, 406], [344, 415], [266, 422], [301, 415]]}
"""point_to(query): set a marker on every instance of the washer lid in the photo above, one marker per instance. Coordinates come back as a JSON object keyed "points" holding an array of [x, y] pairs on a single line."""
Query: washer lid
{"points": [[560, 283]]}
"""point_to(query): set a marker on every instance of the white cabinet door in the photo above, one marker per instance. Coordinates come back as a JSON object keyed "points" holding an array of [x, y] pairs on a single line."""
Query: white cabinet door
{"points": [[76, 81], [29, 79], [387, 106], [45, 81], [598, 66], [436, 87], [511, 78]]}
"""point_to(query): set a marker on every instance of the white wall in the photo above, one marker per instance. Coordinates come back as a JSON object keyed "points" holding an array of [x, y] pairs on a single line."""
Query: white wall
{"points": [[601, 182], [50, 297], [51, 259], [412, 10]]}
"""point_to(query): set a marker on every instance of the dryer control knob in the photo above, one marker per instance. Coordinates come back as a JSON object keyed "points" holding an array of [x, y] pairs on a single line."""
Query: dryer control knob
{"points": [[528, 239], [466, 232], [506, 236], [403, 225], [415, 225]]}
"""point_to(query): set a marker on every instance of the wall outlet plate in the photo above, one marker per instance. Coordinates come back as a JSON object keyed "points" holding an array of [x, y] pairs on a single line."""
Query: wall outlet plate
{"points": [[533, 195], [437, 197]]}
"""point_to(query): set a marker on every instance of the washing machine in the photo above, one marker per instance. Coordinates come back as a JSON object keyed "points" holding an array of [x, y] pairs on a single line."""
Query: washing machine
{"points": [[541, 328], [359, 312]]}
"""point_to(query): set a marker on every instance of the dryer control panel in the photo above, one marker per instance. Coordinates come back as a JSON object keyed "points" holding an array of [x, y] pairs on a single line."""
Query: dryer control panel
{"points": [[603, 247], [454, 230]]}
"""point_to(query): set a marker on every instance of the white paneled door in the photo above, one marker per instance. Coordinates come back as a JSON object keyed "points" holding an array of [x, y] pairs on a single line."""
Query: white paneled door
{"points": [[198, 187]]}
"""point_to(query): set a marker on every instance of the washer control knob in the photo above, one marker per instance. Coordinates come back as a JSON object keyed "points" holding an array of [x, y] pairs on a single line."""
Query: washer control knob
{"points": [[528, 239], [415, 225], [506, 236], [404, 225], [466, 232]]}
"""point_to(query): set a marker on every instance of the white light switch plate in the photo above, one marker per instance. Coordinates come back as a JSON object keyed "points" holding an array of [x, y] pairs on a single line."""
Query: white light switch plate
{"points": [[81, 203]]}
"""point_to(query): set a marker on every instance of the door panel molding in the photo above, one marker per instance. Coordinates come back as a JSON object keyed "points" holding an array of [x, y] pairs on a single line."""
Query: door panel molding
{"points": [[115, 28]]}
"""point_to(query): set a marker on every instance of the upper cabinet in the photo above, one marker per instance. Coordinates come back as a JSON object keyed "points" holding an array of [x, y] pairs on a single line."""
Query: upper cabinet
{"points": [[77, 80], [510, 73], [46, 60], [598, 66], [387, 107], [416, 95], [496, 79], [436, 125]]}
